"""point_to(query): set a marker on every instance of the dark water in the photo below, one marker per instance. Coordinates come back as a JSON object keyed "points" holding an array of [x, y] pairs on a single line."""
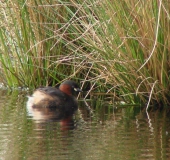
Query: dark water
{"points": [[105, 134]]}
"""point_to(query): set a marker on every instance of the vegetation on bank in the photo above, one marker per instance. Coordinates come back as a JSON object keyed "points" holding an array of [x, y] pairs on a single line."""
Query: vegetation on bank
{"points": [[119, 47]]}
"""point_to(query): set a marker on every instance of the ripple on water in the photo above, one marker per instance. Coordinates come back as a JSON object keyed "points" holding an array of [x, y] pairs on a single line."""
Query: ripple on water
{"points": [[118, 135]]}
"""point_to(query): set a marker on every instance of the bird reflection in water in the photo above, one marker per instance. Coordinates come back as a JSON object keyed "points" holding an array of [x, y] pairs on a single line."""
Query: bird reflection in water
{"points": [[49, 115]]}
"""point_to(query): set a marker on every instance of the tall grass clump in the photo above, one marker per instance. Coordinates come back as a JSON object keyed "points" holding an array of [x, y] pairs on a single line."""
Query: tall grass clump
{"points": [[32, 48], [117, 46]]}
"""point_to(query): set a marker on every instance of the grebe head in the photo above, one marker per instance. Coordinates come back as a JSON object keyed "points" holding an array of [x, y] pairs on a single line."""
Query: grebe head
{"points": [[69, 87]]}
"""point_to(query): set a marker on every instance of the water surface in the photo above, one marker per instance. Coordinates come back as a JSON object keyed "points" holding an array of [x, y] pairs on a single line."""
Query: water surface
{"points": [[104, 133]]}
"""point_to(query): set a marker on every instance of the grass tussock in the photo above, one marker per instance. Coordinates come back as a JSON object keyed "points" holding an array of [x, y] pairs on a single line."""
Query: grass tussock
{"points": [[116, 46]]}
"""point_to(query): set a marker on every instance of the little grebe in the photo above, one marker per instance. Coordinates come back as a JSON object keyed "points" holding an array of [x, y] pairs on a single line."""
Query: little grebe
{"points": [[55, 100]]}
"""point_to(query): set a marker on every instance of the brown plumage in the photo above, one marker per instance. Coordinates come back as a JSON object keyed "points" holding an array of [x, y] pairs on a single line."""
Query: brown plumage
{"points": [[55, 101]]}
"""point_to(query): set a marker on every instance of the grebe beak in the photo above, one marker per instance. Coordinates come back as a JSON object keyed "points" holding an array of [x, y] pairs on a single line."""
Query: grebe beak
{"points": [[78, 90]]}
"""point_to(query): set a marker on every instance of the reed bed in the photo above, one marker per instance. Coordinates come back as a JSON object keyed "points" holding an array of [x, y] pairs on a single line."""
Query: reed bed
{"points": [[118, 47]]}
